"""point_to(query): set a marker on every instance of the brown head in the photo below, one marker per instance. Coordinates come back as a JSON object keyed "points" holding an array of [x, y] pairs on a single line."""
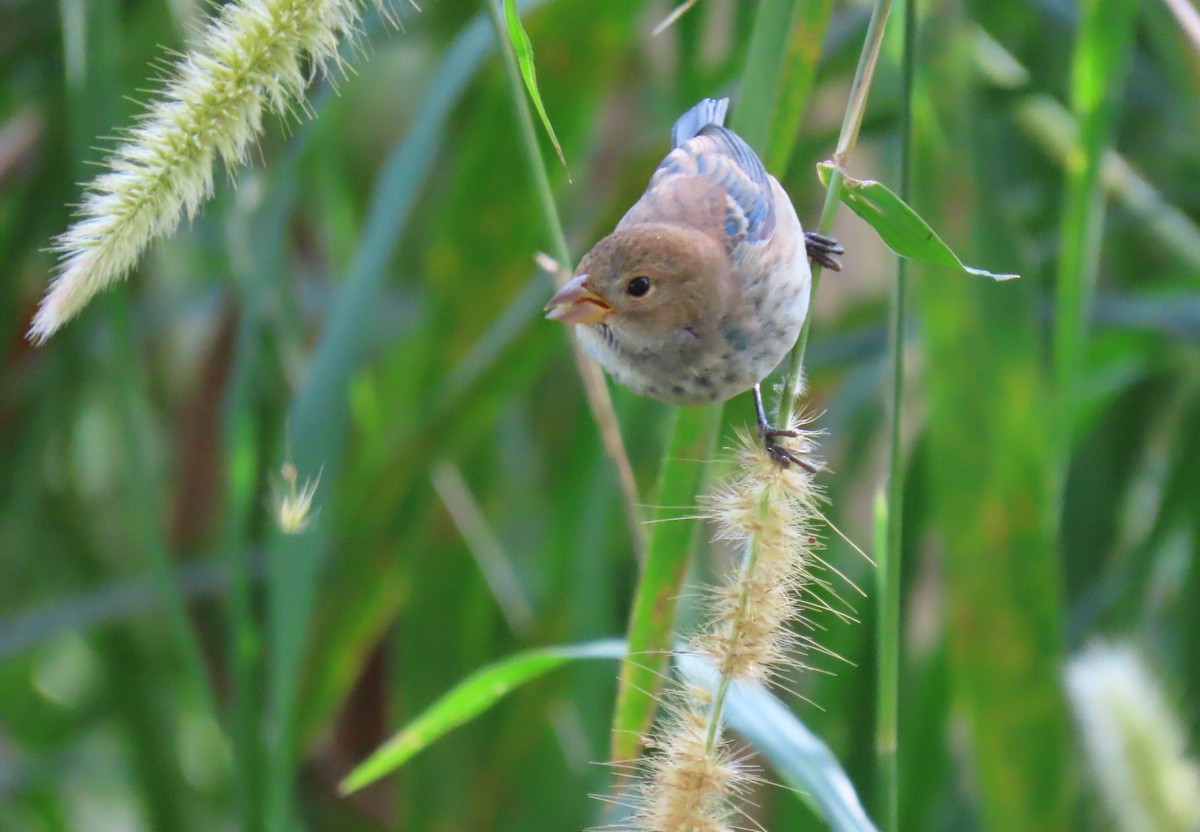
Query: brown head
{"points": [[648, 282]]}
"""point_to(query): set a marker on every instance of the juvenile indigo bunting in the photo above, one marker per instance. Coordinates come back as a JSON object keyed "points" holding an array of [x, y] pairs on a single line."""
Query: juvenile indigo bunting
{"points": [[703, 286]]}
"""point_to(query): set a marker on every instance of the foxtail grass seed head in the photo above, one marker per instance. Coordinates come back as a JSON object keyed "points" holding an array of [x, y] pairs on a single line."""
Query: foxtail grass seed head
{"points": [[253, 57], [689, 785], [767, 511], [1136, 746], [692, 781]]}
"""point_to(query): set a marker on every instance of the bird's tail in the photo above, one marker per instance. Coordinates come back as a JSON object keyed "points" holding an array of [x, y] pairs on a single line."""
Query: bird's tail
{"points": [[709, 111]]}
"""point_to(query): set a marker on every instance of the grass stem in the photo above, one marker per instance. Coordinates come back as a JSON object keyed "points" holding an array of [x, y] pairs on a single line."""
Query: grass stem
{"points": [[594, 386], [887, 622], [847, 138]]}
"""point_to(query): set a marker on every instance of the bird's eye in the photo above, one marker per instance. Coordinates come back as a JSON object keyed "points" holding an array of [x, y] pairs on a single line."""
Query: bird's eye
{"points": [[639, 286]]}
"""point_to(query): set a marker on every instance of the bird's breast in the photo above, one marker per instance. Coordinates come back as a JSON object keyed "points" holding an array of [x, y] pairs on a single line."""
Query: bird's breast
{"points": [[719, 358]]}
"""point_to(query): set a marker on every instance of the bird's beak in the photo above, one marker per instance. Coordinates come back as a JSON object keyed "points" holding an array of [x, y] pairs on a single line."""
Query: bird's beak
{"points": [[577, 303]]}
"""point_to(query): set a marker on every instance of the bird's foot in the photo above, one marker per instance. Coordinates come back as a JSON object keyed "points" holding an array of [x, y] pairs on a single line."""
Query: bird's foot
{"points": [[777, 451], [822, 249], [782, 453]]}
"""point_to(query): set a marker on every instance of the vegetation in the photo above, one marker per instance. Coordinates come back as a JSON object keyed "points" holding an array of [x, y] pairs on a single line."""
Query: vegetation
{"points": [[318, 486]]}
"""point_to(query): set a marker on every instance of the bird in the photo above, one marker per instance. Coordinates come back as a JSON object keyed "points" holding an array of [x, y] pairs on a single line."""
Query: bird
{"points": [[703, 286]]}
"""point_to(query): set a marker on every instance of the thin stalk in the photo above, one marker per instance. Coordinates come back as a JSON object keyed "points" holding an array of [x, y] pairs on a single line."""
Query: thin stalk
{"points": [[748, 564], [888, 618], [846, 141], [594, 385], [856, 107], [851, 124], [887, 647]]}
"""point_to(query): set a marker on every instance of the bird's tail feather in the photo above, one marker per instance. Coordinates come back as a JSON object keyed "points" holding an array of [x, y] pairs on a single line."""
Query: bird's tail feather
{"points": [[709, 111]]}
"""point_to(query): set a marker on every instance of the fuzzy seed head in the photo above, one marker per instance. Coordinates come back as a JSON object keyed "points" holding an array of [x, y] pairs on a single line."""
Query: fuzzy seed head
{"points": [[689, 786], [293, 502], [769, 511], [692, 781], [249, 60], [1135, 743]]}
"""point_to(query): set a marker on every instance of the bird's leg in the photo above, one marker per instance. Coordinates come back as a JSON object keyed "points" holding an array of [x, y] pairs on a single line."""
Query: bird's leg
{"points": [[822, 249], [781, 454]]}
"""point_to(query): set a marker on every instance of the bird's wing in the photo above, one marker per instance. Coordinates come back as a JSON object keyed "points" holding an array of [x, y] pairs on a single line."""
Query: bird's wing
{"points": [[710, 111], [726, 164]]}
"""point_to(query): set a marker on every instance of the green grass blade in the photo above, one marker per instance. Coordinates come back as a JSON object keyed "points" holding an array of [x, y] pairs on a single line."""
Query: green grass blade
{"points": [[989, 447], [109, 603], [889, 509], [1055, 130], [755, 108], [809, 22], [470, 698], [256, 243], [803, 761], [1102, 54], [897, 224], [524, 49], [668, 553], [92, 81]]}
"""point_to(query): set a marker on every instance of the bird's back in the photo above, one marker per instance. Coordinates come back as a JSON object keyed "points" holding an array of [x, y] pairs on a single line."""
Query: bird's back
{"points": [[711, 180]]}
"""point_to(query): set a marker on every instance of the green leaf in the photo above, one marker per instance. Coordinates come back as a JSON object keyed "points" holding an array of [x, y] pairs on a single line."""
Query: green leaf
{"points": [[898, 225], [524, 49], [669, 550], [1103, 50], [471, 697], [799, 756]]}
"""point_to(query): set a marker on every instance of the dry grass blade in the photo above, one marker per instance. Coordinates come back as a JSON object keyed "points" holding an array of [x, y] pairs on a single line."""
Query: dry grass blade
{"points": [[670, 19]]}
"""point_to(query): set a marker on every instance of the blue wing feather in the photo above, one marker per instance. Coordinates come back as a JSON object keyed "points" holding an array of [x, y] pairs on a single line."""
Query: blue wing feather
{"points": [[710, 111], [704, 147]]}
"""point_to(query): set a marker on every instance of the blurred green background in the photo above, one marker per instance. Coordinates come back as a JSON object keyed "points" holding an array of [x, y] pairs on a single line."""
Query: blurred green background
{"points": [[365, 303]]}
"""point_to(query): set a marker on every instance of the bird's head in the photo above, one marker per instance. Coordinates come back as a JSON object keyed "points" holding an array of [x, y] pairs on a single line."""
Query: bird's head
{"points": [[648, 282]]}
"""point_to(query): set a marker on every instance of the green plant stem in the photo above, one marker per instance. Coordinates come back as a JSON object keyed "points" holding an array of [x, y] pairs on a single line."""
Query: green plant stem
{"points": [[594, 385], [846, 141], [847, 138], [749, 562], [887, 647], [761, 80], [888, 619]]}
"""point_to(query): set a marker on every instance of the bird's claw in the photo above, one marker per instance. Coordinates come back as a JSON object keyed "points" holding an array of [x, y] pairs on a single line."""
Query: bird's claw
{"points": [[769, 432], [781, 453], [823, 249]]}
